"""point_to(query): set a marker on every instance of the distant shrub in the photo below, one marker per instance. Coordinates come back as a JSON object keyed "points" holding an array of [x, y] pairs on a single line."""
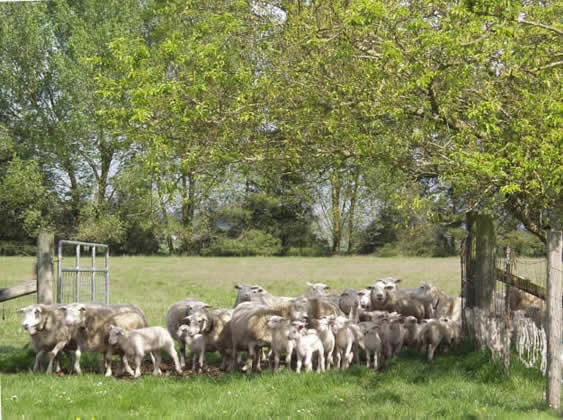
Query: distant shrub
{"points": [[10, 249], [309, 251], [523, 243], [249, 243], [426, 240], [387, 250]]}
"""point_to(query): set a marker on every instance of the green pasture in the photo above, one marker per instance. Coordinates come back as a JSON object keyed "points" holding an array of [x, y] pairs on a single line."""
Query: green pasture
{"points": [[461, 384]]}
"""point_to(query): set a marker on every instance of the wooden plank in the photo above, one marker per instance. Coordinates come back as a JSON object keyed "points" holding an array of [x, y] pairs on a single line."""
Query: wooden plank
{"points": [[23, 289], [521, 283]]}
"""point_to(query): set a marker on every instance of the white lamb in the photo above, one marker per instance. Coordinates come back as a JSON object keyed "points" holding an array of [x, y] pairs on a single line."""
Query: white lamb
{"points": [[281, 343], [345, 338], [137, 343], [326, 335], [372, 344], [306, 344]]}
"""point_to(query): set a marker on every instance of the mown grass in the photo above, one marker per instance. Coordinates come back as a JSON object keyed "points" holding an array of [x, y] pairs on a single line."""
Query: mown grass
{"points": [[462, 384]]}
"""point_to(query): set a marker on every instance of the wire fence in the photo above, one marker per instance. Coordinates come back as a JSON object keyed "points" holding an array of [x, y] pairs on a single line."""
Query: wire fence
{"points": [[513, 322]]}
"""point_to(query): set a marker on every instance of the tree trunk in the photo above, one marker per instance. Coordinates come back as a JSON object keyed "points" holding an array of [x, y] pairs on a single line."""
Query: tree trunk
{"points": [[188, 199], [106, 157], [74, 189], [166, 221], [352, 211], [336, 189]]}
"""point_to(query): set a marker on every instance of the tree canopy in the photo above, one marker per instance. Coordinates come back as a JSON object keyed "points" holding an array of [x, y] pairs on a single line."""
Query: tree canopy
{"points": [[179, 126]]}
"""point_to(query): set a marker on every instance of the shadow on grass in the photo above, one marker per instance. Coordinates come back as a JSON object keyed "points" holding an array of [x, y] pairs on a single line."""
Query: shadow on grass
{"points": [[15, 360]]}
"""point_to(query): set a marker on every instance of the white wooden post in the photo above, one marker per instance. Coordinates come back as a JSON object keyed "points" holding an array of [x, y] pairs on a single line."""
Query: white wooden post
{"points": [[45, 253], [554, 251]]}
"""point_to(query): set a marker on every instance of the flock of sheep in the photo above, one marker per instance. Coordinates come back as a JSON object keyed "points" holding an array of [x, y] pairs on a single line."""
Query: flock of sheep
{"points": [[328, 330]]}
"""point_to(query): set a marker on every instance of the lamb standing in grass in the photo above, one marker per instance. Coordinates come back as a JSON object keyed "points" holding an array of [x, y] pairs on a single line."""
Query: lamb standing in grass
{"points": [[137, 343], [324, 330], [306, 344], [281, 343]]}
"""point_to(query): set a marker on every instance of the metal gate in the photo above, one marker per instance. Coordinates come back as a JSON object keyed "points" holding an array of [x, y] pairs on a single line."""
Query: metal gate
{"points": [[83, 282]]}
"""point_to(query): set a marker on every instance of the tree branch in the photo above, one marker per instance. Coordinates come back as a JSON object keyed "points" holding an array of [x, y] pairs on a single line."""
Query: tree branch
{"points": [[540, 25]]}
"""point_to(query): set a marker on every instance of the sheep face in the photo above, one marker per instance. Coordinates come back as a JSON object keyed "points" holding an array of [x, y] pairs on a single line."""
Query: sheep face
{"points": [[196, 323], [31, 318], [247, 293], [182, 332], [114, 334], [378, 291], [276, 322], [323, 324], [296, 330], [318, 289], [364, 298], [298, 310], [75, 314]]}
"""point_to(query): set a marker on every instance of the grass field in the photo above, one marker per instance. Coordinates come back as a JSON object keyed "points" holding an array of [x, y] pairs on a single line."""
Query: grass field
{"points": [[462, 384]]}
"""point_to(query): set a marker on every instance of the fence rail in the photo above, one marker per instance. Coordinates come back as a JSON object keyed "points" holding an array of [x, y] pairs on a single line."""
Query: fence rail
{"points": [[26, 288]]}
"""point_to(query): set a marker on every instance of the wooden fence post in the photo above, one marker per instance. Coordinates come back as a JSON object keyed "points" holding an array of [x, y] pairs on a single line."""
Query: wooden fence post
{"points": [[485, 254], [45, 253], [554, 251]]}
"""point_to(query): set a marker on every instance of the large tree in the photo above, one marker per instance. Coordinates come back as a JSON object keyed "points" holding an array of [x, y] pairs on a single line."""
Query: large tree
{"points": [[467, 93]]}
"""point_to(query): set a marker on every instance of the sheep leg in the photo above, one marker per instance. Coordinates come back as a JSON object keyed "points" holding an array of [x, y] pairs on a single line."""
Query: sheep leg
{"points": [[234, 355], [338, 359], [431, 349], [126, 365], [58, 364], [356, 353], [157, 359], [289, 354], [348, 355], [368, 358], [258, 359], [38, 357], [138, 360], [77, 355], [299, 362], [172, 352], [107, 361], [276, 365], [53, 353], [329, 359], [309, 361], [251, 355], [201, 359], [322, 361], [182, 353]]}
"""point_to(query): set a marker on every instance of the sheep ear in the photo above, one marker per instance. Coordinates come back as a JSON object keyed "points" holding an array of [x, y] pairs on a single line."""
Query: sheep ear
{"points": [[397, 281], [309, 284], [82, 308], [327, 287], [389, 287], [237, 286], [370, 287], [206, 307]]}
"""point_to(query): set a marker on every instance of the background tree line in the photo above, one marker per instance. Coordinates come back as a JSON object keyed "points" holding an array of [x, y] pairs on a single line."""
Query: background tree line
{"points": [[279, 128]]}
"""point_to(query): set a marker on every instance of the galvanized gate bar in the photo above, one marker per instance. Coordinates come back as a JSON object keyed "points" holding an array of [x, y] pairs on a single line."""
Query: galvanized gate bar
{"points": [[77, 270]]}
